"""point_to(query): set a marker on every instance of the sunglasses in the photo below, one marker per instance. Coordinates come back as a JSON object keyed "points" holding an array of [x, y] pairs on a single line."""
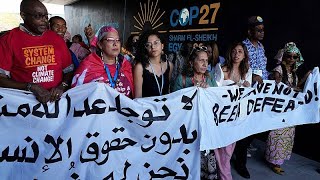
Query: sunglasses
{"points": [[199, 48], [288, 56], [38, 16]]}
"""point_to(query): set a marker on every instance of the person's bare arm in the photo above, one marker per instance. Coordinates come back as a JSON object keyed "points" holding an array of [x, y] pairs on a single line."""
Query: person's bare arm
{"points": [[138, 80], [257, 78], [89, 33], [303, 79], [41, 94], [277, 77]]}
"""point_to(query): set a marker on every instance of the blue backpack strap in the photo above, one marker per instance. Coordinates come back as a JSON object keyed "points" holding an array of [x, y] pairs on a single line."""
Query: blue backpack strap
{"points": [[75, 60]]}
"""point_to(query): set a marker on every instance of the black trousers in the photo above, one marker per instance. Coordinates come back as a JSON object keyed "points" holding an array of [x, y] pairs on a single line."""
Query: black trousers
{"points": [[241, 150]]}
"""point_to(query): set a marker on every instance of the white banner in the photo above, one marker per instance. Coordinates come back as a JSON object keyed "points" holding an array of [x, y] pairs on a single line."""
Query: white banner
{"points": [[94, 132], [231, 113]]}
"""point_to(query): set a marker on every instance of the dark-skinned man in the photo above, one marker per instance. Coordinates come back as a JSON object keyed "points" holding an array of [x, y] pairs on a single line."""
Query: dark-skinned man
{"points": [[34, 58]]}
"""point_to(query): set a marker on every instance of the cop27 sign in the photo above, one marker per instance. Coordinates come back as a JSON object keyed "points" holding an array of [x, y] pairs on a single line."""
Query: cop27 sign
{"points": [[94, 132], [194, 21]]}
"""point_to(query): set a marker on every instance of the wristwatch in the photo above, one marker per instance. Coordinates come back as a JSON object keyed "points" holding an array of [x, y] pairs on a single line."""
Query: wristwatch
{"points": [[28, 87]]}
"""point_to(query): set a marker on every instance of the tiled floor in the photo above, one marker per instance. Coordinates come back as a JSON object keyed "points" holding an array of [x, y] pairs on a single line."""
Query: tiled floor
{"points": [[297, 168]]}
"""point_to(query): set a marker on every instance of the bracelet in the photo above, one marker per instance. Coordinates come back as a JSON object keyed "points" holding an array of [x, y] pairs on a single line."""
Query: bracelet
{"points": [[28, 87]]}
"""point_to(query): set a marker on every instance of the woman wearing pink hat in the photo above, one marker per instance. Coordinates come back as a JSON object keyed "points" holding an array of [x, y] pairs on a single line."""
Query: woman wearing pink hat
{"points": [[106, 65]]}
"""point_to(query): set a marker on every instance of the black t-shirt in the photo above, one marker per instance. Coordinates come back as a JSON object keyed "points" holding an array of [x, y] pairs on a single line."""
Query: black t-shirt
{"points": [[149, 85]]}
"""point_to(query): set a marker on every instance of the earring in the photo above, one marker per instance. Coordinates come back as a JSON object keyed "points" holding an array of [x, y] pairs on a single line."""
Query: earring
{"points": [[101, 55], [166, 56], [162, 53]]}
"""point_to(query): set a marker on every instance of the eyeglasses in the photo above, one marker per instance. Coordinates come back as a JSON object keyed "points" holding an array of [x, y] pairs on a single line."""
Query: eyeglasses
{"points": [[112, 40], [199, 48], [288, 56], [38, 16], [156, 43]]}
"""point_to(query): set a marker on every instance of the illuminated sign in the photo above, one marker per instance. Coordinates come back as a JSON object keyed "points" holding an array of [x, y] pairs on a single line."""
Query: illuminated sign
{"points": [[189, 21]]}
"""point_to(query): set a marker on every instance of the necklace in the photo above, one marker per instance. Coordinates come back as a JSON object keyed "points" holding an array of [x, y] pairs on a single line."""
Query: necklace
{"points": [[197, 82], [162, 79]]}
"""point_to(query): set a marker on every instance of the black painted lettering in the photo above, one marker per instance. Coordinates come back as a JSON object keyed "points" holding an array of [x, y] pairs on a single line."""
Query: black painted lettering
{"points": [[267, 101], [290, 106], [308, 97], [233, 112], [287, 91], [267, 88], [277, 107], [250, 106], [277, 89], [260, 87], [215, 110], [241, 89], [233, 97], [223, 113], [257, 105]]}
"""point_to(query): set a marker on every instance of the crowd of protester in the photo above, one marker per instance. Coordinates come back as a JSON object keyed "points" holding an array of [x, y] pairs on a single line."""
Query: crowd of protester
{"points": [[142, 69]]}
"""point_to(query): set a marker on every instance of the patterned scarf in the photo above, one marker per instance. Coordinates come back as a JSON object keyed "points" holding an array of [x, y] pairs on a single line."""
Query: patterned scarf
{"points": [[290, 48]]}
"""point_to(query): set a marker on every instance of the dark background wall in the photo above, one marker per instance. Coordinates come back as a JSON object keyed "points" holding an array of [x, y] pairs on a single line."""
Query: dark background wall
{"points": [[285, 21], [96, 13]]}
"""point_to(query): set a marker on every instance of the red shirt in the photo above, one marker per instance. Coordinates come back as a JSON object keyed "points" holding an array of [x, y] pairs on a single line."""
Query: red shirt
{"points": [[36, 59], [91, 69]]}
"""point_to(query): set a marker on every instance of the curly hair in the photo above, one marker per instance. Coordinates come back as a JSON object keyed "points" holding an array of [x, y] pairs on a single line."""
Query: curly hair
{"points": [[129, 43], [142, 55], [244, 65]]}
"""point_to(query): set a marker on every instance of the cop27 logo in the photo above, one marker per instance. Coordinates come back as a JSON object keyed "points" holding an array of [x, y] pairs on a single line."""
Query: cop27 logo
{"points": [[206, 14], [150, 15]]}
